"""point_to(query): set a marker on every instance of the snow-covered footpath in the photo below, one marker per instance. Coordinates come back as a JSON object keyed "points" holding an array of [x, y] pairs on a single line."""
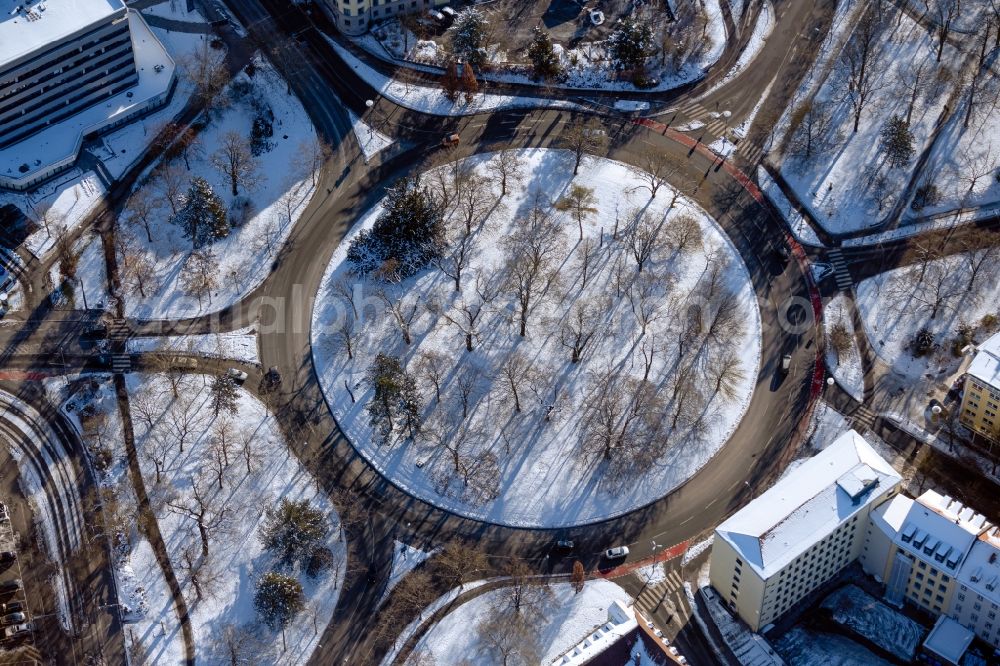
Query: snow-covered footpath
{"points": [[846, 366], [239, 345], [531, 466]]}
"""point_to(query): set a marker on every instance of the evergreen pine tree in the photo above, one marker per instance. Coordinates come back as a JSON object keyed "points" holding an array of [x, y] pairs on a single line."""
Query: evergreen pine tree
{"points": [[396, 400], [293, 530], [469, 40], [542, 55], [410, 231], [278, 599], [469, 84], [630, 43], [223, 394], [897, 141], [203, 214]]}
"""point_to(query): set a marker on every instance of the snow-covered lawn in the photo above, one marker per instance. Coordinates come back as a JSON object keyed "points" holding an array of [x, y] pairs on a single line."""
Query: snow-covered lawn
{"points": [[846, 367], [866, 616], [533, 455], [372, 141], [404, 559], [797, 224], [848, 185], [692, 553], [826, 425], [285, 186], [239, 345], [566, 620], [965, 161], [164, 425], [895, 306], [429, 99], [803, 647], [174, 9]]}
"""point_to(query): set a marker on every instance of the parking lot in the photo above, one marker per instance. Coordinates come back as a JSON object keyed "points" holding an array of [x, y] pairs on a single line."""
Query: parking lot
{"points": [[16, 625]]}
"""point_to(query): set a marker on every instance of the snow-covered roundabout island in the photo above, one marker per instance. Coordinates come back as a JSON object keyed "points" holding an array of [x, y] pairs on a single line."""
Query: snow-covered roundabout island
{"points": [[576, 350]]}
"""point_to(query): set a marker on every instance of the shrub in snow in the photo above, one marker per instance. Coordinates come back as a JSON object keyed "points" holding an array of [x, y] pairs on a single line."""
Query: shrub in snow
{"points": [[202, 216], [293, 530], [396, 403], [320, 561], [241, 211], [469, 39], [278, 599], [260, 132], [926, 195], [544, 60], [410, 232], [923, 342], [630, 43]]}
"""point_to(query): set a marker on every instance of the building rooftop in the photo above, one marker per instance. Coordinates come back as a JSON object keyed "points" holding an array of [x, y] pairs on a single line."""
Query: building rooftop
{"points": [[60, 142], [948, 640], [985, 365], [981, 569], [26, 26], [934, 527], [809, 503]]}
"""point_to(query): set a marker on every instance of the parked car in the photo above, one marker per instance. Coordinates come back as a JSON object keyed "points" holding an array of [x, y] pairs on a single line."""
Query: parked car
{"points": [[13, 618], [7, 556], [449, 13], [451, 141], [18, 629], [616, 552], [237, 375], [10, 585], [12, 607], [565, 544], [786, 363]]}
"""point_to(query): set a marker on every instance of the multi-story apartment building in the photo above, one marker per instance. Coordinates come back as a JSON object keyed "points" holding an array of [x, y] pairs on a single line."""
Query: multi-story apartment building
{"points": [[70, 68], [800, 532], [353, 17], [981, 398], [939, 556]]}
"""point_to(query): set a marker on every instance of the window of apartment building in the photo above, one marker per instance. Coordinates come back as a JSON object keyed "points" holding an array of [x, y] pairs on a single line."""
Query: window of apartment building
{"points": [[977, 606], [938, 598], [974, 617], [958, 608], [921, 565], [919, 576], [988, 626]]}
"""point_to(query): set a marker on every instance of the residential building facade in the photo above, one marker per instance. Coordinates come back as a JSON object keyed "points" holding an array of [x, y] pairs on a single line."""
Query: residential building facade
{"points": [[801, 532], [980, 409], [354, 17]]}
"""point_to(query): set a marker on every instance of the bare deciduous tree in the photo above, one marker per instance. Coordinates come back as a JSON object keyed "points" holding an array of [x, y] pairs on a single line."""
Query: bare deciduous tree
{"points": [[403, 310], [578, 329], [507, 168], [204, 509], [531, 250], [642, 237], [655, 168], [432, 366], [583, 138], [858, 58], [236, 162], [170, 181], [579, 203], [514, 373]]}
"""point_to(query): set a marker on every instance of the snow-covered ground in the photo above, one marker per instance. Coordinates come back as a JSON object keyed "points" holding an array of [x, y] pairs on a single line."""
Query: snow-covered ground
{"points": [[284, 188], [964, 162], [805, 647], [566, 620], [531, 467], [894, 307], [404, 558], [174, 9], [826, 425], [800, 228], [239, 345], [586, 66], [697, 549], [849, 186], [236, 555], [371, 140], [846, 367], [866, 616], [428, 99], [651, 574]]}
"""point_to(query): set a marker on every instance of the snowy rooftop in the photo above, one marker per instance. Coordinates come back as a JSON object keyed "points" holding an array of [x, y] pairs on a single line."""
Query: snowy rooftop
{"points": [[41, 23], [934, 527], [948, 639], [62, 140], [986, 364], [621, 621], [981, 569], [808, 504]]}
